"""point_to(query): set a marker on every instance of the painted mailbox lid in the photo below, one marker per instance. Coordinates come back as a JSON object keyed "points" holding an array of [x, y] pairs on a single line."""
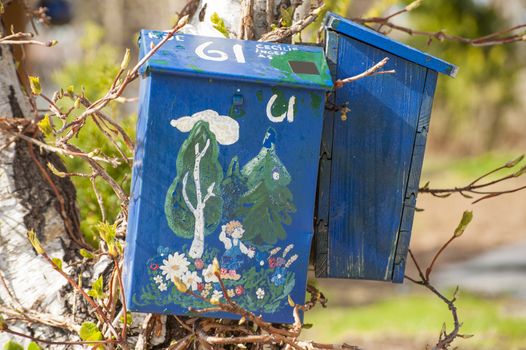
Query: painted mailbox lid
{"points": [[371, 160], [240, 60], [225, 167]]}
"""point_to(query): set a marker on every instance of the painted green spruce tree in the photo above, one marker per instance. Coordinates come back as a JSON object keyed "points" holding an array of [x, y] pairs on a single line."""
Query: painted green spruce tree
{"points": [[193, 203], [233, 188], [268, 203]]}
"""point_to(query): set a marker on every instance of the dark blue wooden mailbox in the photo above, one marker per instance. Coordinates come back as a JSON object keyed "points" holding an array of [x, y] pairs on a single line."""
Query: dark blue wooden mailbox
{"points": [[371, 159], [225, 167]]}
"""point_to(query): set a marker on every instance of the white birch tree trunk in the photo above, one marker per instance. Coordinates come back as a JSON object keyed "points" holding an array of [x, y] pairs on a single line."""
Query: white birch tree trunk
{"points": [[198, 243], [28, 201], [263, 13]]}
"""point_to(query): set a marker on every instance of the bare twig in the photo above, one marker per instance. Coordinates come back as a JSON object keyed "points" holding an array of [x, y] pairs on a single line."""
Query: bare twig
{"points": [[445, 339], [374, 70], [496, 38], [481, 189], [21, 38]]}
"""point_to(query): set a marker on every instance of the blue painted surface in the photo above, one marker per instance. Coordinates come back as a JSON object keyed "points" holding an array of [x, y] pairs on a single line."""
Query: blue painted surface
{"points": [[277, 161], [372, 159], [417, 160], [239, 60], [380, 41]]}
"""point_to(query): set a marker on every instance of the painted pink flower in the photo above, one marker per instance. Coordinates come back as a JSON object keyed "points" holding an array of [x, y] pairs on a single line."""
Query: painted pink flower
{"points": [[154, 266], [240, 290], [280, 261], [272, 262], [200, 286], [224, 272], [199, 264]]}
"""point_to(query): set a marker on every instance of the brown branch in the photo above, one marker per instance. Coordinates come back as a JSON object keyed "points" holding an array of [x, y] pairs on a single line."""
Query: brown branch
{"points": [[21, 38], [441, 35], [477, 188], [85, 295], [374, 70], [445, 339]]}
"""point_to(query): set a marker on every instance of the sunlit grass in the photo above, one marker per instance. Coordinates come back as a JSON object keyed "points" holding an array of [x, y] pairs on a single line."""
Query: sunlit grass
{"points": [[421, 316]]}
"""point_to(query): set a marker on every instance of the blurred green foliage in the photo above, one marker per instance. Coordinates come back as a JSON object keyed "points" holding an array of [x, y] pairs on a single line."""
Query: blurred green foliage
{"points": [[93, 73], [474, 102]]}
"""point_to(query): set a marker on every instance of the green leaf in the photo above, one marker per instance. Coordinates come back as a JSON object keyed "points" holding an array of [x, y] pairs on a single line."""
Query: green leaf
{"points": [[129, 319], [415, 4], [520, 172], [125, 60], [32, 236], [11, 345], [97, 289], [107, 232], [89, 331], [219, 24], [464, 222], [286, 16], [86, 254], [34, 83], [58, 262], [45, 125], [514, 162], [55, 171], [33, 346]]}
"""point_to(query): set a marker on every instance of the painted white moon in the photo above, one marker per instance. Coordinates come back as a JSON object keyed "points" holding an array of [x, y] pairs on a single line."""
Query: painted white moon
{"points": [[225, 128]]}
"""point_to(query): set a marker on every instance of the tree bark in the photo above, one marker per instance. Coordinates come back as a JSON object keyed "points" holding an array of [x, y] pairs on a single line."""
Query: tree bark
{"points": [[28, 200]]}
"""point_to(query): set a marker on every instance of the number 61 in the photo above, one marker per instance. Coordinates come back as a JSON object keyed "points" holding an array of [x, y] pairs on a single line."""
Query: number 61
{"points": [[218, 55]]}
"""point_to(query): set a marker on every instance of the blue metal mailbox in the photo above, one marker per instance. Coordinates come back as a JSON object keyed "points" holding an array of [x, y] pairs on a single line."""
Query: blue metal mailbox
{"points": [[371, 159], [225, 167]]}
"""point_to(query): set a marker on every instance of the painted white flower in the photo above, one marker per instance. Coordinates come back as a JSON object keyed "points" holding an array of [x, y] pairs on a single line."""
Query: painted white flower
{"points": [[158, 279], [260, 293], [216, 295], [261, 263], [291, 260], [191, 279], [175, 266], [163, 287], [275, 175], [287, 249], [275, 251], [208, 274]]}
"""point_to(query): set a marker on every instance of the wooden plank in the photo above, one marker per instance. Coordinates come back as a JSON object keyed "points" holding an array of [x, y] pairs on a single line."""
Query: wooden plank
{"points": [[324, 173], [414, 177], [371, 157]]}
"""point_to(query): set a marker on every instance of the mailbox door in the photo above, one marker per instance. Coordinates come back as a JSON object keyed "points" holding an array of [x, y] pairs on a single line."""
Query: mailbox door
{"points": [[258, 147], [369, 161]]}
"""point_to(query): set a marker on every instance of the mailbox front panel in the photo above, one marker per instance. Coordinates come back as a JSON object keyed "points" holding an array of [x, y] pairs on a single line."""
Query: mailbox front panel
{"points": [[224, 170], [368, 160]]}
